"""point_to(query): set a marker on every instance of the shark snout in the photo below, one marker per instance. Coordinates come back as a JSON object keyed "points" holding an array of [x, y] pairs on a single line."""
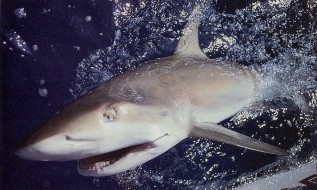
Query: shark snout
{"points": [[74, 145], [55, 148]]}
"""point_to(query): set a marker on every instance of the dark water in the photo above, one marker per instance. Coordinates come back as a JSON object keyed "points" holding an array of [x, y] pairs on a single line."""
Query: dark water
{"points": [[54, 51]]}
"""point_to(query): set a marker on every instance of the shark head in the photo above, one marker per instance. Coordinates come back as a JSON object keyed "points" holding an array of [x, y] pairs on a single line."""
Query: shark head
{"points": [[106, 138]]}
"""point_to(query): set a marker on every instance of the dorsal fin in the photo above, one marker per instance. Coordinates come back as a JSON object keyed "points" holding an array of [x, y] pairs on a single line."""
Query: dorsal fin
{"points": [[188, 45]]}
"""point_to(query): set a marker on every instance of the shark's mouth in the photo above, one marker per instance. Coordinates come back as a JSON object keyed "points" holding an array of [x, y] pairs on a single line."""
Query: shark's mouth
{"points": [[101, 161]]}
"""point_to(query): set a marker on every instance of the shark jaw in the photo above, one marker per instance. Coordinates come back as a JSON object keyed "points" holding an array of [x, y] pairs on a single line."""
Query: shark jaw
{"points": [[98, 163], [125, 158]]}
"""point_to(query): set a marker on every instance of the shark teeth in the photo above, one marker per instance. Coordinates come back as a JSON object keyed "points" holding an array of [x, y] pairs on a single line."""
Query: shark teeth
{"points": [[101, 161], [94, 166]]}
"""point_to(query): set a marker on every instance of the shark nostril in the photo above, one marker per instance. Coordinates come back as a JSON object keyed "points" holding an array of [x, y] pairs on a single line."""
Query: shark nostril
{"points": [[79, 139], [67, 137]]}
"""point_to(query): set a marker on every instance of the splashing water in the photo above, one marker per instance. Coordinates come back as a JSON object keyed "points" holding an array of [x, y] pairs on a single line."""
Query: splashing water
{"points": [[276, 39]]}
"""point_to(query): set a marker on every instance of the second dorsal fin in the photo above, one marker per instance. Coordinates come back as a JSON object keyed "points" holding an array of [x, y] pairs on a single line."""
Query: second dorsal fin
{"points": [[188, 45]]}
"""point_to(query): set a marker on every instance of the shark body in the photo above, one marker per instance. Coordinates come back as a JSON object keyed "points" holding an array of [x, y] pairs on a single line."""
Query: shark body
{"points": [[139, 115]]}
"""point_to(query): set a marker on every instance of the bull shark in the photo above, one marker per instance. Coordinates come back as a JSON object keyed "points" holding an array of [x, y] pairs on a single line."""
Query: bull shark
{"points": [[137, 116]]}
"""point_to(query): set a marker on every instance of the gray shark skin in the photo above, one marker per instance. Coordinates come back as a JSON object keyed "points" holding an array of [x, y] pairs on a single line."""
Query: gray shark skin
{"points": [[142, 113]]}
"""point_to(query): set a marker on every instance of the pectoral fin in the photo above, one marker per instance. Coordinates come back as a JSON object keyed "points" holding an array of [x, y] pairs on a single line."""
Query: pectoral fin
{"points": [[218, 133]]}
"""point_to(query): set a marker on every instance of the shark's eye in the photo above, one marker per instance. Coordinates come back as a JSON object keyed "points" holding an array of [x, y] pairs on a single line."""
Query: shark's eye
{"points": [[109, 115]]}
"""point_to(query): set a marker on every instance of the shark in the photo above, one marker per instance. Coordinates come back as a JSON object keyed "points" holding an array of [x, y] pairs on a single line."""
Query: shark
{"points": [[136, 116]]}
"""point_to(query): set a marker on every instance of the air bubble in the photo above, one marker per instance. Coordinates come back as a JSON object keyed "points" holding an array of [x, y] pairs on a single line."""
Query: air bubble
{"points": [[20, 12], [35, 47], [43, 92], [88, 18]]}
